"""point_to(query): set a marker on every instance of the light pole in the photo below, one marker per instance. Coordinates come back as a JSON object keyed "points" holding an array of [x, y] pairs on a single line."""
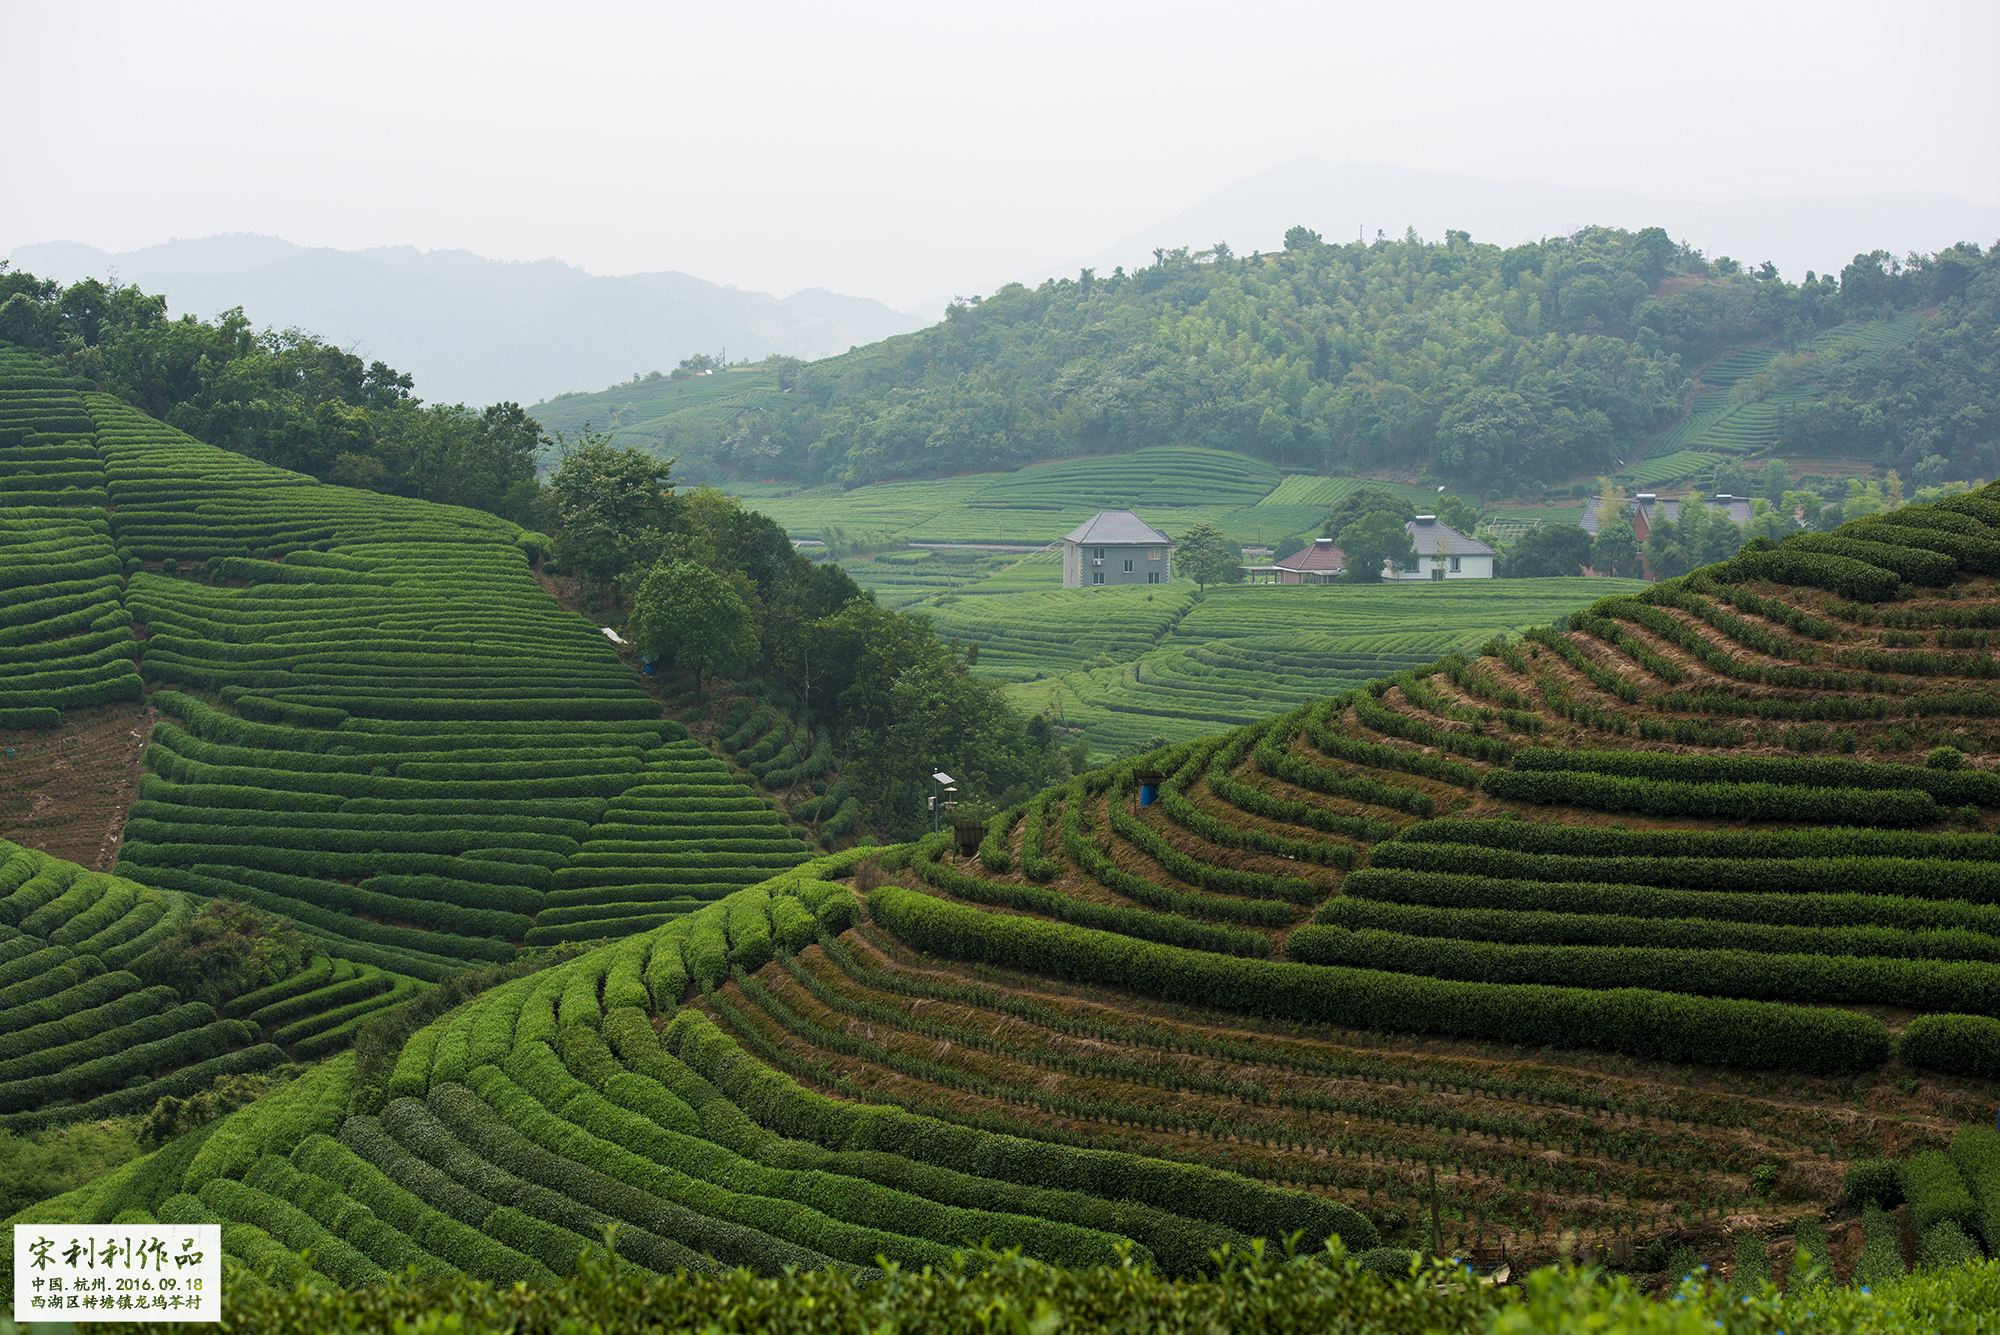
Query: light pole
{"points": [[938, 808]]}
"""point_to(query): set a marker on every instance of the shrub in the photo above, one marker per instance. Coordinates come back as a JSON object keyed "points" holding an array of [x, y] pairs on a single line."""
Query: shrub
{"points": [[1875, 1183], [1960, 1044], [1936, 1192]]}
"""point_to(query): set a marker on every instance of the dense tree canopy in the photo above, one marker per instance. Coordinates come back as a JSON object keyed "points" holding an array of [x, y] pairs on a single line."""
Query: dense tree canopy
{"points": [[1371, 542], [1930, 409], [284, 397], [1551, 550], [1490, 367]]}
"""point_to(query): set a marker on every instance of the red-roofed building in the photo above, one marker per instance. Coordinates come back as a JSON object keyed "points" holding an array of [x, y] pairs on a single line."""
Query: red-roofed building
{"points": [[1320, 563]]}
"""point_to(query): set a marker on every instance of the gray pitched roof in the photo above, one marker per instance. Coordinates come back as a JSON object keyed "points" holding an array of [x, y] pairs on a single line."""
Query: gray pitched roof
{"points": [[1426, 532], [1121, 527]]}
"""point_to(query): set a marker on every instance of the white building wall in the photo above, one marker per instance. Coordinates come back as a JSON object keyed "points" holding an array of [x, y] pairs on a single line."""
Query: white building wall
{"points": [[1469, 567]]}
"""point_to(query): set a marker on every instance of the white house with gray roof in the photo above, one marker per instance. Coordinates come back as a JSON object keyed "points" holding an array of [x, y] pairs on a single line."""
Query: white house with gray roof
{"points": [[1116, 547], [1439, 551]]}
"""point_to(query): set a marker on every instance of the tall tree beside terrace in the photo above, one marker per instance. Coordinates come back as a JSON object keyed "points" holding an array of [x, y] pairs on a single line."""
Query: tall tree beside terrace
{"points": [[475, 459], [614, 503], [1372, 542], [686, 615], [1205, 556]]}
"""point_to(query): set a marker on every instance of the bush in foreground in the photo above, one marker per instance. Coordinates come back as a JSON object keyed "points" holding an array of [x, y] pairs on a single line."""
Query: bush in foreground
{"points": [[1255, 1293]]}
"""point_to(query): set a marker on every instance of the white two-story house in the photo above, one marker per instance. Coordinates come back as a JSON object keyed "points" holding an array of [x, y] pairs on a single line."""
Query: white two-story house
{"points": [[1439, 551]]}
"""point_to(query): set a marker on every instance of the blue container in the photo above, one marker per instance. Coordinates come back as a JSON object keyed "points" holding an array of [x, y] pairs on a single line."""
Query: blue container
{"points": [[1148, 794]]}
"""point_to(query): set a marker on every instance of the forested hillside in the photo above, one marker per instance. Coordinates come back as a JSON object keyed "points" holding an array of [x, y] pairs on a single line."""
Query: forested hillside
{"points": [[1493, 368]]}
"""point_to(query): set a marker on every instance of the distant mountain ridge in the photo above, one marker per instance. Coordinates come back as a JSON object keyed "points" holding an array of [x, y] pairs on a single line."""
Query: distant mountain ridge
{"points": [[474, 329]]}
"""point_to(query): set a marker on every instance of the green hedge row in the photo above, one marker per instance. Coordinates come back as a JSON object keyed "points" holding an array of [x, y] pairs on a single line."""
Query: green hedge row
{"points": [[317, 973], [1914, 565], [1181, 1212], [1668, 1026], [240, 883], [1949, 928], [1273, 759], [1383, 902], [1727, 664], [1035, 864], [1612, 841], [1936, 1192], [1183, 812], [86, 993], [1726, 801], [80, 1024], [189, 1045], [324, 862], [1272, 807], [1098, 863], [457, 1243], [357, 986], [380, 1242], [182, 1082], [1134, 923], [1603, 678], [1222, 880], [1356, 751], [1951, 787], [1791, 564], [343, 836], [339, 1261], [1394, 723], [1915, 984], [647, 1119], [1973, 883], [499, 1159], [1960, 1044], [734, 1227]]}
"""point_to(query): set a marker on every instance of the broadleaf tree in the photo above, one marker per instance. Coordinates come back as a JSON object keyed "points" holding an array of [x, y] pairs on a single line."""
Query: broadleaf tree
{"points": [[686, 615], [1372, 542], [1203, 555]]}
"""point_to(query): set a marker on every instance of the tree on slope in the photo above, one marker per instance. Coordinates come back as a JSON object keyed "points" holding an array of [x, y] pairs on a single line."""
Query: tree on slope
{"points": [[614, 503], [1205, 556], [688, 616]]}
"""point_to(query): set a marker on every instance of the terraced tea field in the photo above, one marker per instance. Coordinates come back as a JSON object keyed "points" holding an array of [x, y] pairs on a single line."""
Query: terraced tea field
{"points": [[1181, 668], [1635, 931], [1173, 487], [1721, 423], [358, 713]]}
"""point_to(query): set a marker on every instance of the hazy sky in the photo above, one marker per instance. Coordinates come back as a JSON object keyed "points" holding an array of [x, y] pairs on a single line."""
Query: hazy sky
{"points": [[903, 151]]}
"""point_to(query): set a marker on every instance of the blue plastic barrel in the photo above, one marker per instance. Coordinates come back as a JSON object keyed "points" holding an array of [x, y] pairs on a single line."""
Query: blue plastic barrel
{"points": [[1148, 794]]}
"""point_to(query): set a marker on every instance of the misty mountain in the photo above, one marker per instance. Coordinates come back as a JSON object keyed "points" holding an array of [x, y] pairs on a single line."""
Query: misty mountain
{"points": [[475, 329], [1344, 200]]}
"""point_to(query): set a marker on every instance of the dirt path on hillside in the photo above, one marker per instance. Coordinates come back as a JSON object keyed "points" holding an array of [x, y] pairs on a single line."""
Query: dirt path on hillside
{"points": [[68, 790]]}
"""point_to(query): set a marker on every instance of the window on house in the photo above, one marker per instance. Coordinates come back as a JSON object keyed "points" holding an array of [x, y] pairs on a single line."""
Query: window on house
{"points": [[1097, 577], [1153, 577], [1152, 553], [1128, 565], [1097, 553], [1411, 563], [1454, 565]]}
